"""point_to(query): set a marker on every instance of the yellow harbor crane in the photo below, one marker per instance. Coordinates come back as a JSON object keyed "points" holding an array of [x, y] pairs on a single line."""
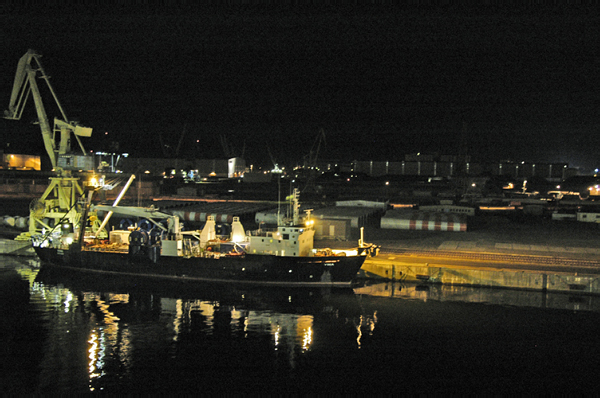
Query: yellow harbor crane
{"points": [[59, 201]]}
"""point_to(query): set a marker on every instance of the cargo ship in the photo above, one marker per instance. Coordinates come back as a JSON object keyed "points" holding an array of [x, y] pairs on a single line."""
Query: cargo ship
{"points": [[281, 256]]}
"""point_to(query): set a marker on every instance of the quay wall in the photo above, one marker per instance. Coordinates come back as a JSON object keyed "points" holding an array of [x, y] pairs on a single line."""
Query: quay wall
{"points": [[494, 278], [16, 247]]}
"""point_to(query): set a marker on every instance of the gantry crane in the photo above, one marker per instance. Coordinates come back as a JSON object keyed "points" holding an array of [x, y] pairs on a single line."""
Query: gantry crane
{"points": [[59, 201]]}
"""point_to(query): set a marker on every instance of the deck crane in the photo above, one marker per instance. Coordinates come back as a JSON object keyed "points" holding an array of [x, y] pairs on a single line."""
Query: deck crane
{"points": [[58, 203]]}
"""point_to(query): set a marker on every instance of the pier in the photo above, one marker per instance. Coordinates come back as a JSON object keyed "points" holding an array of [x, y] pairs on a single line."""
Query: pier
{"points": [[518, 266]]}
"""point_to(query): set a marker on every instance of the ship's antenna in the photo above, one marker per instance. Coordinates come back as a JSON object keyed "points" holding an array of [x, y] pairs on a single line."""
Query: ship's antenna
{"points": [[278, 201], [296, 206]]}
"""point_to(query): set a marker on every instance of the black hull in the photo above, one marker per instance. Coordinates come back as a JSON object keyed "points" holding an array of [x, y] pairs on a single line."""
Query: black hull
{"points": [[334, 271]]}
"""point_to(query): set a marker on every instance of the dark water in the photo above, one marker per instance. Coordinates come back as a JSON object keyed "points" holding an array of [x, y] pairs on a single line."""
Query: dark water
{"points": [[76, 333]]}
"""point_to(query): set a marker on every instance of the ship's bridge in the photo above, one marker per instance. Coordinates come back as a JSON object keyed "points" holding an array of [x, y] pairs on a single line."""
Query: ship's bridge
{"points": [[290, 241]]}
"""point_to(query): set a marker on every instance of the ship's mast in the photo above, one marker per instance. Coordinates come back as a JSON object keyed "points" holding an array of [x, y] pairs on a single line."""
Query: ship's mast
{"points": [[296, 206]]}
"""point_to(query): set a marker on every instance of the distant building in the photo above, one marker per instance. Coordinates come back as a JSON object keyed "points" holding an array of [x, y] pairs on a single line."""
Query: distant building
{"points": [[20, 162], [158, 166], [425, 166], [236, 167]]}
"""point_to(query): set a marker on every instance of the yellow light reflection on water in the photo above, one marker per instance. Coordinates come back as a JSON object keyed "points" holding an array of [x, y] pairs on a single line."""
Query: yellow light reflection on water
{"points": [[276, 336], [96, 354], [367, 322], [358, 329], [93, 351], [304, 331], [106, 338], [28, 273], [68, 301], [290, 333], [306, 342]]}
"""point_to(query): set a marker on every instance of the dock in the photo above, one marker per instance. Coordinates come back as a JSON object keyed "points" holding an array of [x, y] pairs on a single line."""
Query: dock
{"points": [[573, 270], [11, 247]]}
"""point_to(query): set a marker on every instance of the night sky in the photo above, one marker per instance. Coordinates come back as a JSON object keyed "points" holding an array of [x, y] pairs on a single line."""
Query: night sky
{"points": [[520, 84]]}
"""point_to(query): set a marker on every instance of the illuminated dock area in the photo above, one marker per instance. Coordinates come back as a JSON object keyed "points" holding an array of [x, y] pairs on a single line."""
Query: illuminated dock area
{"points": [[485, 276]]}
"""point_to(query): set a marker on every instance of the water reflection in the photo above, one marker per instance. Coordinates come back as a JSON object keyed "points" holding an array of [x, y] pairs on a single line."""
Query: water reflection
{"points": [[79, 333], [127, 325], [366, 322], [467, 294], [107, 338]]}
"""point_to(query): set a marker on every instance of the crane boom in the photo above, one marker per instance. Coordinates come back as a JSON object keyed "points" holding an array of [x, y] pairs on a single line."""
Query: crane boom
{"points": [[29, 69], [25, 83]]}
